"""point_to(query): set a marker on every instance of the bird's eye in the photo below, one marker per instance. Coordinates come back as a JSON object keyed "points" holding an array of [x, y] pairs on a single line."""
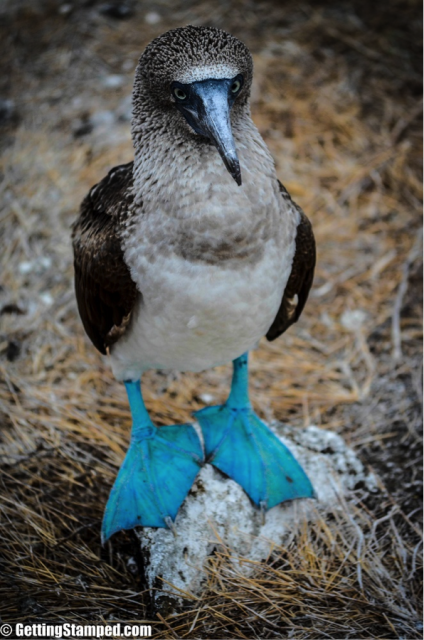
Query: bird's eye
{"points": [[235, 87], [179, 94]]}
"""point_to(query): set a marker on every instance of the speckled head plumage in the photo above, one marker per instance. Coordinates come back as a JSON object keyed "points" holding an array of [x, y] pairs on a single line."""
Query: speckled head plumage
{"points": [[193, 83], [190, 54]]}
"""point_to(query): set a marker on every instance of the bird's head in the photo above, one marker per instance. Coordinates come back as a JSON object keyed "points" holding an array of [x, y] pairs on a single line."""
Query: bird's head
{"points": [[202, 76]]}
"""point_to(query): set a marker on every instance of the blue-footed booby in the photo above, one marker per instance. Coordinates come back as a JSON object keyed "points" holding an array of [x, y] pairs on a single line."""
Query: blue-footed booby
{"points": [[184, 259]]}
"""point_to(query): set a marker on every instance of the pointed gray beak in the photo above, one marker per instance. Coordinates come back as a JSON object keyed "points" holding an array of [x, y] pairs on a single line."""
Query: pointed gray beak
{"points": [[207, 110]]}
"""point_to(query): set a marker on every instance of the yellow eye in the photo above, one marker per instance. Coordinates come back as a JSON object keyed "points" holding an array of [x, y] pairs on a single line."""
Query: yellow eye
{"points": [[179, 94], [235, 87]]}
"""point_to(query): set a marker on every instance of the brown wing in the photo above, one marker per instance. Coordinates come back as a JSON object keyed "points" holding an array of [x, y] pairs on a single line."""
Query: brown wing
{"points": [[105, 292], [301, 277]]}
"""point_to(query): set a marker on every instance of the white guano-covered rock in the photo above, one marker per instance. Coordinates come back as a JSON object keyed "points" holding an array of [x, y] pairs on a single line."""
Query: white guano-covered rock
{"points": [[217, 511]]}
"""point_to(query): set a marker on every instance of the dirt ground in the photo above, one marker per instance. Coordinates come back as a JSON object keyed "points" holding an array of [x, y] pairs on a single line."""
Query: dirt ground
{"points": [[337, 97]]}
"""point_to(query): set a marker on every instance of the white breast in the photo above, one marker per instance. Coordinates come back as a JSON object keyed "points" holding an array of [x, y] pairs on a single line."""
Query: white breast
{"points": [[194, 317]]}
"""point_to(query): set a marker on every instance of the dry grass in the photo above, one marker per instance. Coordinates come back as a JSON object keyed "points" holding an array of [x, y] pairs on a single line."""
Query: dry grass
{"points": [[336, 97]]}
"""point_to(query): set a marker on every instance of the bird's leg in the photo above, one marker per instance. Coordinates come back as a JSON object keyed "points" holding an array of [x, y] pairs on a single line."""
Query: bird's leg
{"points": [[156, 475], [238, 443]]}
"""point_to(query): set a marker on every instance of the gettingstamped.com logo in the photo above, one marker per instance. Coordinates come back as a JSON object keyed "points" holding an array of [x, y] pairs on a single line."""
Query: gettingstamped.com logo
{"points": [[68, 630]]}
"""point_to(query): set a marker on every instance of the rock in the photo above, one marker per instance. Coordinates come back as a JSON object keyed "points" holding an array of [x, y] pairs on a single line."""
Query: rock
{"points": [[11, 308], [113, 81], [13, 350], [217, 511], [106, 126], [124, 110], [207, 398], [38, 265], [65, 9], [353, 319], [81, 126], [46, 298], [152, 18], [102, 119], [117, 10], [7, 111]]}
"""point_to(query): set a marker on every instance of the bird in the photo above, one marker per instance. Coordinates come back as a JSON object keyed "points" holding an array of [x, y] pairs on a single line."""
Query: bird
{"points": [[184, 259]]}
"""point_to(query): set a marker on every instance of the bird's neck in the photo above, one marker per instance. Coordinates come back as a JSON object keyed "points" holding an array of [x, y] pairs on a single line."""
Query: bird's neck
{"points": [[189, 203], [176, 171]]}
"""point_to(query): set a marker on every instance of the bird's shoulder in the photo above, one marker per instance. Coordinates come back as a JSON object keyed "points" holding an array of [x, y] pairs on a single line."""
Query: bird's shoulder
{"points": [[108, 202], [302, 273]]}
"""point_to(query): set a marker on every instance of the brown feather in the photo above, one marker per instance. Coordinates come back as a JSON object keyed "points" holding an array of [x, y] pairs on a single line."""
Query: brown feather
{"points": [[301, 276], [105, 291]]}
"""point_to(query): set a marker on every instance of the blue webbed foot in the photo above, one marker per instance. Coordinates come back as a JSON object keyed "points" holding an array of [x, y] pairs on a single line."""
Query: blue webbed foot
{"points": [[156, 475], [239, 444]]}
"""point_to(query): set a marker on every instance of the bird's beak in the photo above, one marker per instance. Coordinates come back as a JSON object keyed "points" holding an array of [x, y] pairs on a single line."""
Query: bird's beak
{"points": [[207, 110]]}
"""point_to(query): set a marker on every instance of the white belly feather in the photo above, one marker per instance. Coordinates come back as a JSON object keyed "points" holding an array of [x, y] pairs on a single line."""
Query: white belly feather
{"points": [[194, 316]]}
